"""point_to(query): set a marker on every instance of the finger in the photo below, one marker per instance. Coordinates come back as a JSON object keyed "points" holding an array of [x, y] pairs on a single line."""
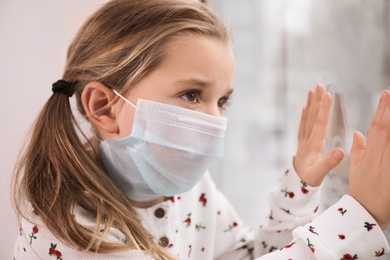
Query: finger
{"points": [[358, 148], [302, 125], [310, 95], [378, 145], [320, 127], [327, 163], [385, 135], [314, 108], [385, 160], [383, 102]]}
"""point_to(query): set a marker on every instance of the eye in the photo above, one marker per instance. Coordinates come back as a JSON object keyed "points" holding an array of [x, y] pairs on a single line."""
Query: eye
{"points": [[191, 96], [224, 102]]}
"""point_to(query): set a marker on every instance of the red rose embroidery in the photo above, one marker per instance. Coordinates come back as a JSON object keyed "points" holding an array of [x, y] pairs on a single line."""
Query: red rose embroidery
{"points": [[32, 236], [199, 226], [273, 248], [188, 220], [231, 226], [303, 188], [35, 229], [369, 226], [311, 246], [54, 252], [380, 253], [348, 256], [290, 194], [289, 245], [342, 211], [244, 247], [341, 236], [311, 229], [203, 199]]}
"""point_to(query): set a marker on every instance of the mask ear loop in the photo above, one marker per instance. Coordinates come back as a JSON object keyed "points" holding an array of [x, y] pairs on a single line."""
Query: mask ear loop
{"points": [[124, 99]]}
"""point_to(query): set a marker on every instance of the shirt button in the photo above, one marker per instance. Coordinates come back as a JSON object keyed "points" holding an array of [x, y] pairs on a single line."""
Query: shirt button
{"points": [[163, 241], [159, 213]]}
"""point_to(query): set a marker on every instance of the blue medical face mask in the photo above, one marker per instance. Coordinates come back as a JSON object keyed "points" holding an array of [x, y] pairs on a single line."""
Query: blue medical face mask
{"points": [[169, 150]]}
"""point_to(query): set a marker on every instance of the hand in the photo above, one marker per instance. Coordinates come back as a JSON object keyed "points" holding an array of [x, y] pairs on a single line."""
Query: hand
{"points": [[369, 180], [309, 163]]}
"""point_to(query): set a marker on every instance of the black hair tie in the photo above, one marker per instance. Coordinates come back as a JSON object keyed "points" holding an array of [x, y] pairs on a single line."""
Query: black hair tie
{"points": [[63, 86]]}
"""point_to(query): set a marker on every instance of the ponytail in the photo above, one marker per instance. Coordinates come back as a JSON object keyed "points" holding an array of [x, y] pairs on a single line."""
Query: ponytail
{"points": [[56, 173]]}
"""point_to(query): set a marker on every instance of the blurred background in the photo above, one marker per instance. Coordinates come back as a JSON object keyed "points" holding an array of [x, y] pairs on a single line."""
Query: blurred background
{"points": [[283, 48]]}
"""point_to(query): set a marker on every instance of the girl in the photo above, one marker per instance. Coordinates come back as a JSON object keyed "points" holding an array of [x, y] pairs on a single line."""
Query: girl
{"points": [[153, 79]]}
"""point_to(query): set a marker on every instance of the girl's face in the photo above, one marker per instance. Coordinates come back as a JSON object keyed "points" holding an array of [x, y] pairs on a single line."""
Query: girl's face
{"points": [[196, 73]]}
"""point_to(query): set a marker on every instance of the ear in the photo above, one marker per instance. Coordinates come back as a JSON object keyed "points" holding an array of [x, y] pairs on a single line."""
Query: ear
{"points": [[97, 103]]}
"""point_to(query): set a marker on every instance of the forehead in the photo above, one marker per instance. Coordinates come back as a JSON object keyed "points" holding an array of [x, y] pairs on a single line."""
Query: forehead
{"points": [[184, 43], [209, 56], [189, 62]]}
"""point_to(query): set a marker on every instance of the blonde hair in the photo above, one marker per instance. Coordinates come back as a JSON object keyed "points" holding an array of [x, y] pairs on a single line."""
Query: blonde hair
{"points": [[118, 45]]}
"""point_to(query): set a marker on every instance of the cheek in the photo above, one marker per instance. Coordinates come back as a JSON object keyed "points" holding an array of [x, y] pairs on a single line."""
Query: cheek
{"points": [[125, 122]]}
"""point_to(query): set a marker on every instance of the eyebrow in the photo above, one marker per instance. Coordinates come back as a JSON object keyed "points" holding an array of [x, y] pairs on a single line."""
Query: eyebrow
{"points": [[200, 83]]}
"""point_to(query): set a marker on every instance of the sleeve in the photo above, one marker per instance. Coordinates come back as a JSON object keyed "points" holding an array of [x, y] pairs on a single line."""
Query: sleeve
{"points": [[344, 231], [296, 231], [293, 203]]}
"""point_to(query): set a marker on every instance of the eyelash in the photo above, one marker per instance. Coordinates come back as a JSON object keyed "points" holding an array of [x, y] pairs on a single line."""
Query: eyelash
{"points": [[222, 102], [196, 92], [225, 102]]}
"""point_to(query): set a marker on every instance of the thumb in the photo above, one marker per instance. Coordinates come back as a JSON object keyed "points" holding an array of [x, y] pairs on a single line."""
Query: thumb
{"points": [[332, 159], [358, 147], [327, 163]]}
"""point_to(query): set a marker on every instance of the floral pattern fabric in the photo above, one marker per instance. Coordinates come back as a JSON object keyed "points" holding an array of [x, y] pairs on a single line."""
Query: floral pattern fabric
{"points": [[201, 224]]}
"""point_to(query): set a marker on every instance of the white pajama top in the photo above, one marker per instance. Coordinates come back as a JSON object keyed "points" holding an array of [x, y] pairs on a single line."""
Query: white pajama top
{"points": [[201, 224]]}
